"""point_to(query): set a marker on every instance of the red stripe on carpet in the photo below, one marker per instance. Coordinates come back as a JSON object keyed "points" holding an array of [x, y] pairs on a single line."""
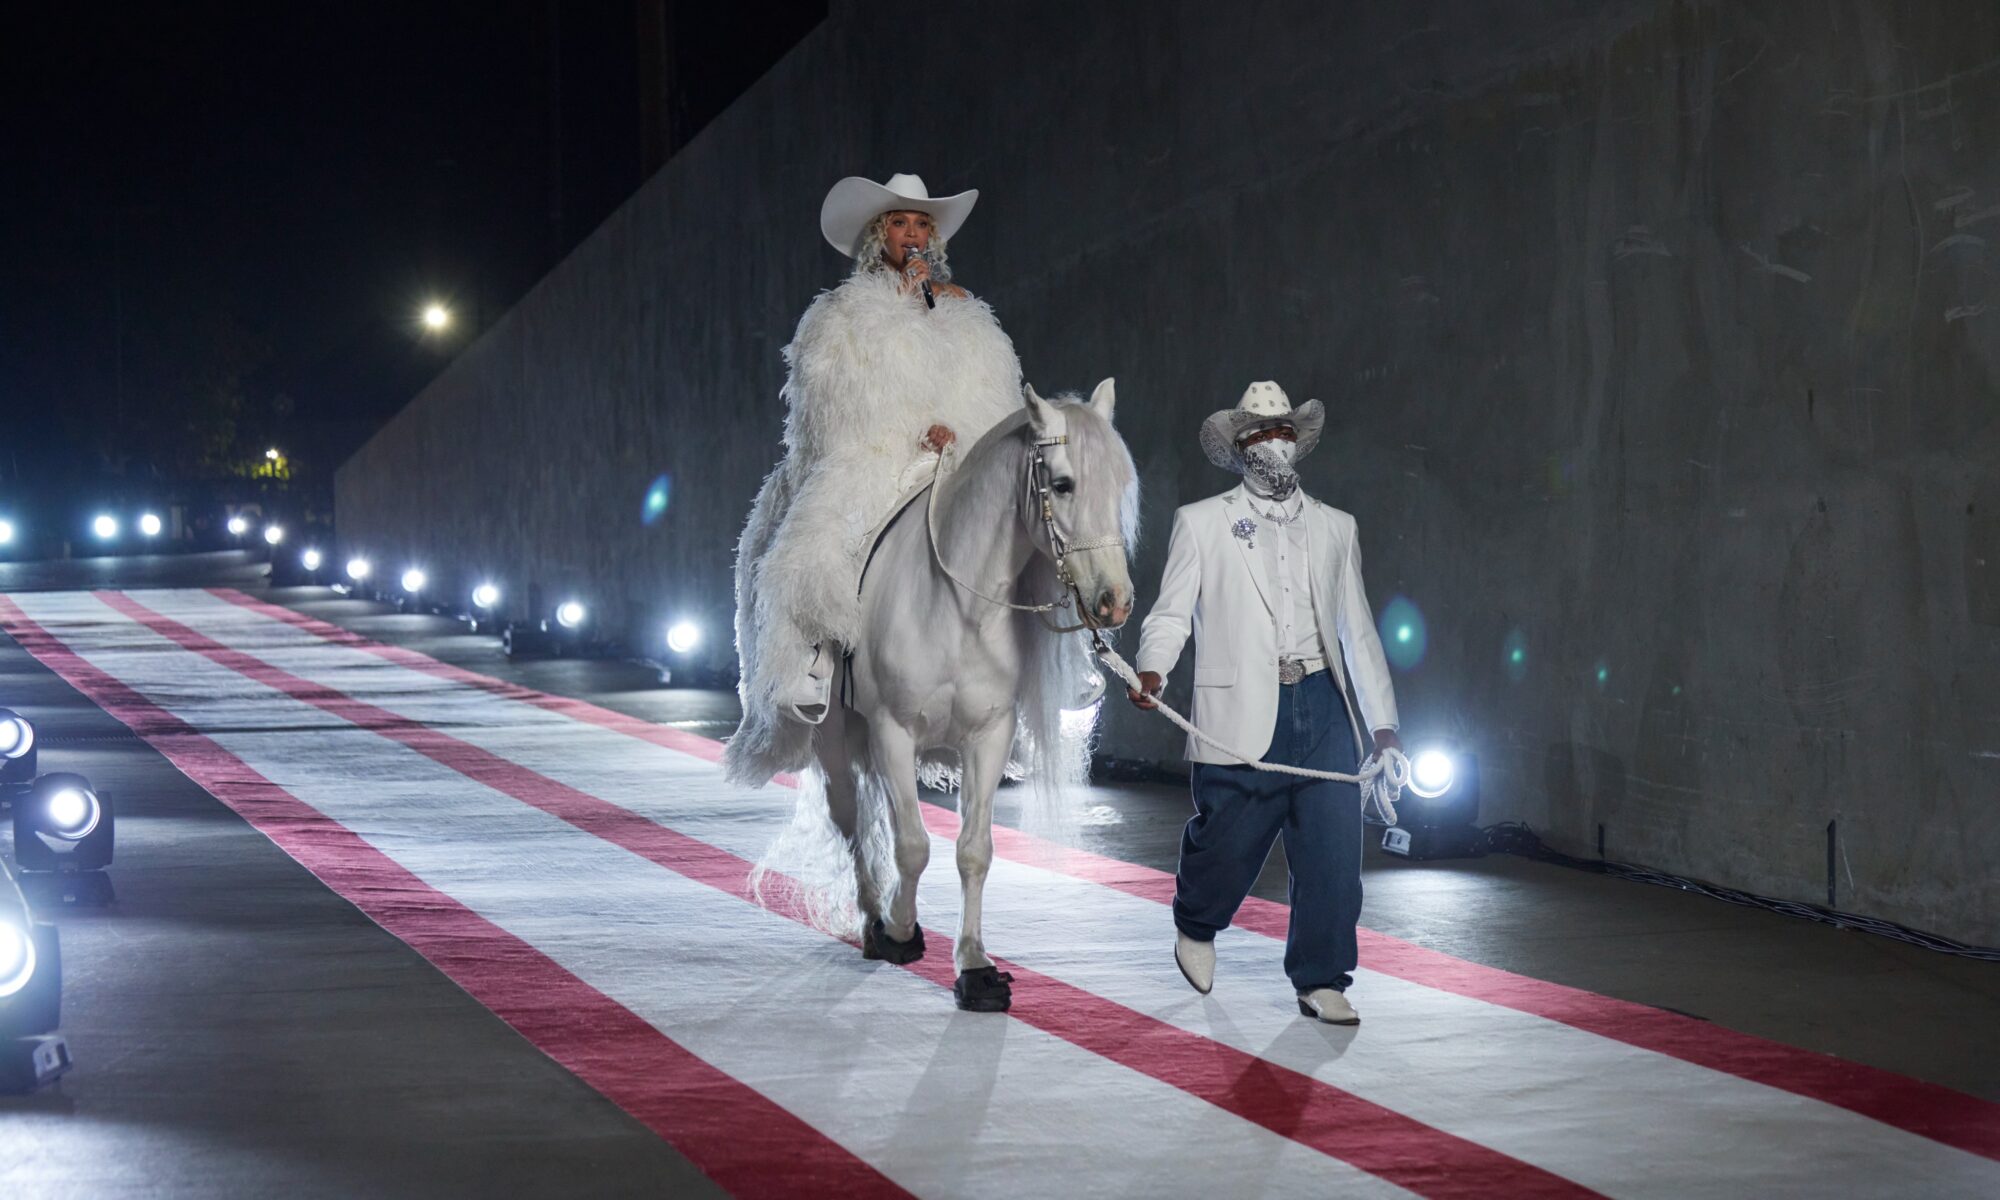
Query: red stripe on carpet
{"points": [[735, 1135], [1926, 1109], [1338, 1123]]}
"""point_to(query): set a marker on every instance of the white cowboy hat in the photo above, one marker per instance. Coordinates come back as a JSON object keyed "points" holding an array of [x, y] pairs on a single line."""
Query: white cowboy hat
{"points": [[1263, 404], [855, 201]]}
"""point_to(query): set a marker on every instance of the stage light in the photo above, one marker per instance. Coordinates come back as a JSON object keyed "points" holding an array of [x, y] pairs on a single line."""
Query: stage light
{"points": [[105, 526], [238, 527], [73, 813], [17, 735], [6, 533], [274, 534], [17, 956], [570, 614], [413, 581], [485, 596], [1430, 774], [357, 569], [62, 824], [1439, 813], [683, 637], [31, 1052], [17, 752], [149, 524], [310, 560]]}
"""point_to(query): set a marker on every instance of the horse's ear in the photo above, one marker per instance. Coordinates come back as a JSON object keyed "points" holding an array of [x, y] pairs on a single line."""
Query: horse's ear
{"points": [[1104, 399], [1041, 414]]}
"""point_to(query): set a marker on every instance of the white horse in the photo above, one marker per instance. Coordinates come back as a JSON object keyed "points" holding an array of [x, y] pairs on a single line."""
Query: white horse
{"points": [[1040, 509]]}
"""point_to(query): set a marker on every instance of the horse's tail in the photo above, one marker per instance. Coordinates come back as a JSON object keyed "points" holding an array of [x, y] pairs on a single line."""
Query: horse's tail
{"points": [[809, 868]]}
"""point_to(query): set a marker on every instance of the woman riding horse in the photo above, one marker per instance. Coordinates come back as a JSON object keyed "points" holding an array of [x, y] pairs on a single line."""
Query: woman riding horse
{"points": [[887, 370]]}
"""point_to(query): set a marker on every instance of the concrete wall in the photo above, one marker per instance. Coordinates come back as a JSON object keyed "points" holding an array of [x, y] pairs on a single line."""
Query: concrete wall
{"points": [[1656, 339]]}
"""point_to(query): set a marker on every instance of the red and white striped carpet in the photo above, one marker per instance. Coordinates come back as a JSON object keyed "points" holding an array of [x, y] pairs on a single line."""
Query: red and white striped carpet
{"points": [[582, 874]]}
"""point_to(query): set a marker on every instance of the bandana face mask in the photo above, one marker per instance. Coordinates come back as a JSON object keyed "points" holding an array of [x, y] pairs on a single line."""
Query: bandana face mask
{"points": [[1267, 469]]}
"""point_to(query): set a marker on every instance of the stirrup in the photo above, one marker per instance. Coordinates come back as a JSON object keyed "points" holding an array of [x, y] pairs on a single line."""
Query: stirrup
{"points": [[812, 696]]}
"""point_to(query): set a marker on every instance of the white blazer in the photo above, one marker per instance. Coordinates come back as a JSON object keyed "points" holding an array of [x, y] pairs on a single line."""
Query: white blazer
{"points": [[1216, 587]]}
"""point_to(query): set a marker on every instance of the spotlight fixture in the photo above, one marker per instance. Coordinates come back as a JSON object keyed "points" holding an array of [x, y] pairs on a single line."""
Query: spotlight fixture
{"points": [[105, 526], [1439, 815], [149, 524], [17, 957], [559, 633], [310, 560], [683, 637], [238, 527], [358, 568], [485, 596], [274, 534], [17, 752], [413, 581], [1431, 774], [31, 1052], [63, 825]]}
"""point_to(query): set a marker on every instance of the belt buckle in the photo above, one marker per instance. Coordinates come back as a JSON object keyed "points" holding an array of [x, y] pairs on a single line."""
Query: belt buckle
{"points": [[1291, 670]]}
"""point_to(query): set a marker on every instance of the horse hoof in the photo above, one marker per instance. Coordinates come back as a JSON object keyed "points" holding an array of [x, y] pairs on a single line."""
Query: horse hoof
{"points": [[983, 989], [877, 944]]}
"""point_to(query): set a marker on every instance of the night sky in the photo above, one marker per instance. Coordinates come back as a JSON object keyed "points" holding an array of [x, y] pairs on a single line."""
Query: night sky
{"points": [[222, 221]]}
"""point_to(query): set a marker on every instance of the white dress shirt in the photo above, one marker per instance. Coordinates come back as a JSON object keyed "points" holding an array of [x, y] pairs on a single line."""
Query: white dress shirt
{"points": [[1285, 549]]}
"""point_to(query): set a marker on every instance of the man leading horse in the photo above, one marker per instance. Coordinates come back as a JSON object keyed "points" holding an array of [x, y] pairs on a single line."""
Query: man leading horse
{"points": [[1268, 580]]}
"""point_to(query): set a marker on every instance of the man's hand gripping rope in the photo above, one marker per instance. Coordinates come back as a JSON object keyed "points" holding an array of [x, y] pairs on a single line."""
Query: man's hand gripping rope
{"points": [[1381, 779]]}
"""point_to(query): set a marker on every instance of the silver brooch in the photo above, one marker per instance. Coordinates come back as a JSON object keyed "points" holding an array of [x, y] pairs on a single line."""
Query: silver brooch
{"points": [[1246, 529]]}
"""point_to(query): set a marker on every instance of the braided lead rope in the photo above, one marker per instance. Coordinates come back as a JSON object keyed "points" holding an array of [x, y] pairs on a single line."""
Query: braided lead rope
{"points": [[1381, 779]]}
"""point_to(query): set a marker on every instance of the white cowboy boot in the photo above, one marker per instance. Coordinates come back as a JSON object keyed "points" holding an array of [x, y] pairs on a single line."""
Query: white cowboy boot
{"points": [[1325, 1004], [811, 693], [1196, 961]]}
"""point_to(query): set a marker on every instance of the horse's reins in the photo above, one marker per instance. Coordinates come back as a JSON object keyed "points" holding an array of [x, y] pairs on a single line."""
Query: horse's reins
{"points": [[1381, 779]]}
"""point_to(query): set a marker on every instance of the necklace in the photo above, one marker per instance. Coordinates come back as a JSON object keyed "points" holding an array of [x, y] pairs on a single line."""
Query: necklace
{"points": [[1278, 518]]}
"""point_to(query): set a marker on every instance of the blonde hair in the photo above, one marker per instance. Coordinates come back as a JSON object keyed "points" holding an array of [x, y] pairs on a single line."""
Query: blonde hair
{"points": [[875, 239]]}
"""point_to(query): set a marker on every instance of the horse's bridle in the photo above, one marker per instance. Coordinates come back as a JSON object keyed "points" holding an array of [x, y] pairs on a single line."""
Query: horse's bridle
{"points": [[1060, 547]]}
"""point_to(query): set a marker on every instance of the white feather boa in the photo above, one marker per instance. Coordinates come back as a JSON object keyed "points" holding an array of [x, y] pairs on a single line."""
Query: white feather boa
{"points": [[871, 369]]}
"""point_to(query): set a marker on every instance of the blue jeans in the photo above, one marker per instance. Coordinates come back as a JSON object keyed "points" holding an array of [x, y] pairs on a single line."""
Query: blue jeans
{"points": [[1240, 811]]}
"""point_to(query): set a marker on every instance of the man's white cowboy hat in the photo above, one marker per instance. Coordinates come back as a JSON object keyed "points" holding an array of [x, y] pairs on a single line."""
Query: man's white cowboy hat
{"points": [[855, 201], [1263, 404]]}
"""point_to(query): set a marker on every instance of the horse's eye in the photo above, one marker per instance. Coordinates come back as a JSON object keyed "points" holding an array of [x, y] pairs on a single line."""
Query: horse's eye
{"points": [[1063, 487]]}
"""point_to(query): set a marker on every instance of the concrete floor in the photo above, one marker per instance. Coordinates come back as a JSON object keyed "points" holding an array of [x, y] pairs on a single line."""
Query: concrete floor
{"points": [[242, 1031]]}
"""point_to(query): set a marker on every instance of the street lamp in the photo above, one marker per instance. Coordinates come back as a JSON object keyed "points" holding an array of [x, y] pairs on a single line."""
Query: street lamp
{"points": [[273, 454]]}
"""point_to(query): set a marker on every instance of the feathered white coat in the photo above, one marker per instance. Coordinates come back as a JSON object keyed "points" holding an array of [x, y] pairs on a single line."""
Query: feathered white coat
{"points": [[871, 369]]}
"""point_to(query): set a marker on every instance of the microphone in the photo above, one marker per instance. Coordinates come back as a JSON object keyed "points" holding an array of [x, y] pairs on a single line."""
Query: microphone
{"points": [[910, 259]]}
